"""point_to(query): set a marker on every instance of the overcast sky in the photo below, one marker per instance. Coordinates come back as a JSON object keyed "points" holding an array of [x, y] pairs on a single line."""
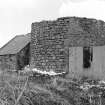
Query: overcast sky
{"points": [[16, 16]]}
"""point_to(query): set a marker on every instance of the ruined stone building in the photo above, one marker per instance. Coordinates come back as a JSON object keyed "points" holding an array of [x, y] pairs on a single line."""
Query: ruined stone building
{"points": [[16, 53], [71, 44]]}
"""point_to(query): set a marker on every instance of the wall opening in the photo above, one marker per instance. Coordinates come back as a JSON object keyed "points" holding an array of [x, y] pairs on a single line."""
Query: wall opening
{"points": [[87, 57]]}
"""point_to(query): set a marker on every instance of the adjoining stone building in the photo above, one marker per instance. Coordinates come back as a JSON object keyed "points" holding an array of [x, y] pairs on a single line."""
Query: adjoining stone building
{"points": [[72, 44], [16, 53]]}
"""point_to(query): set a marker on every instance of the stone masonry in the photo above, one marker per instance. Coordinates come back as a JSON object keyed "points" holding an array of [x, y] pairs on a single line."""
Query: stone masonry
{"points": [[15, 61], [50, 40], [8, 62]]}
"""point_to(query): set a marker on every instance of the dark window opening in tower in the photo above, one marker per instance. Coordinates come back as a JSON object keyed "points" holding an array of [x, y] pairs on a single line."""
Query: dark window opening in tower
{"points": [[87, 57]]}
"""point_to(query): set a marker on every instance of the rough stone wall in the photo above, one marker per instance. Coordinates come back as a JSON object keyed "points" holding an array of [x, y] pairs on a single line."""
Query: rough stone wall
{"points": [[8, 62], [47, 47], [50, 40], [16, 61]]}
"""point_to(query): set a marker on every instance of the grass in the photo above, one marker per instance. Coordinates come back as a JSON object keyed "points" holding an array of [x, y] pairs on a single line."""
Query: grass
{"points": [[24, 89]]}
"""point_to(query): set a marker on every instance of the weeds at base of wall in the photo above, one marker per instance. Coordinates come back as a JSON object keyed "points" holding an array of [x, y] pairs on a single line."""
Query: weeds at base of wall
{"points": [[16, 89]]}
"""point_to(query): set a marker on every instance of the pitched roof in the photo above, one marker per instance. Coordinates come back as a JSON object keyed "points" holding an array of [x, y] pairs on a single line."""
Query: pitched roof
{"points": [[15, 44]]}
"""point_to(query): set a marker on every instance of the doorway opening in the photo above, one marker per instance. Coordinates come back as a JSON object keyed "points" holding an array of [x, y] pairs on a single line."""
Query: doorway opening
{"points": [[87, 57]]}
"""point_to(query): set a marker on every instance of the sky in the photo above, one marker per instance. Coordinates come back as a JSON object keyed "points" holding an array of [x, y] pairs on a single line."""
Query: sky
{"points": [[16, 16]]}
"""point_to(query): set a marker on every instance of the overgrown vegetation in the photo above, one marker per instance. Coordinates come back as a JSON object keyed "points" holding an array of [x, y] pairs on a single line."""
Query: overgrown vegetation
{"points": [[26, 89]]}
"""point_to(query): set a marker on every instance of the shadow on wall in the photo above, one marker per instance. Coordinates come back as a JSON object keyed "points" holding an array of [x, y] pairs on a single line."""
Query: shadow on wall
{"points": [[23, 58]]}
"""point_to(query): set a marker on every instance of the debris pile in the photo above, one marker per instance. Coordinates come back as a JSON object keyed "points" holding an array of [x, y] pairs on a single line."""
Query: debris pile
{"points": [[50, 73]]}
